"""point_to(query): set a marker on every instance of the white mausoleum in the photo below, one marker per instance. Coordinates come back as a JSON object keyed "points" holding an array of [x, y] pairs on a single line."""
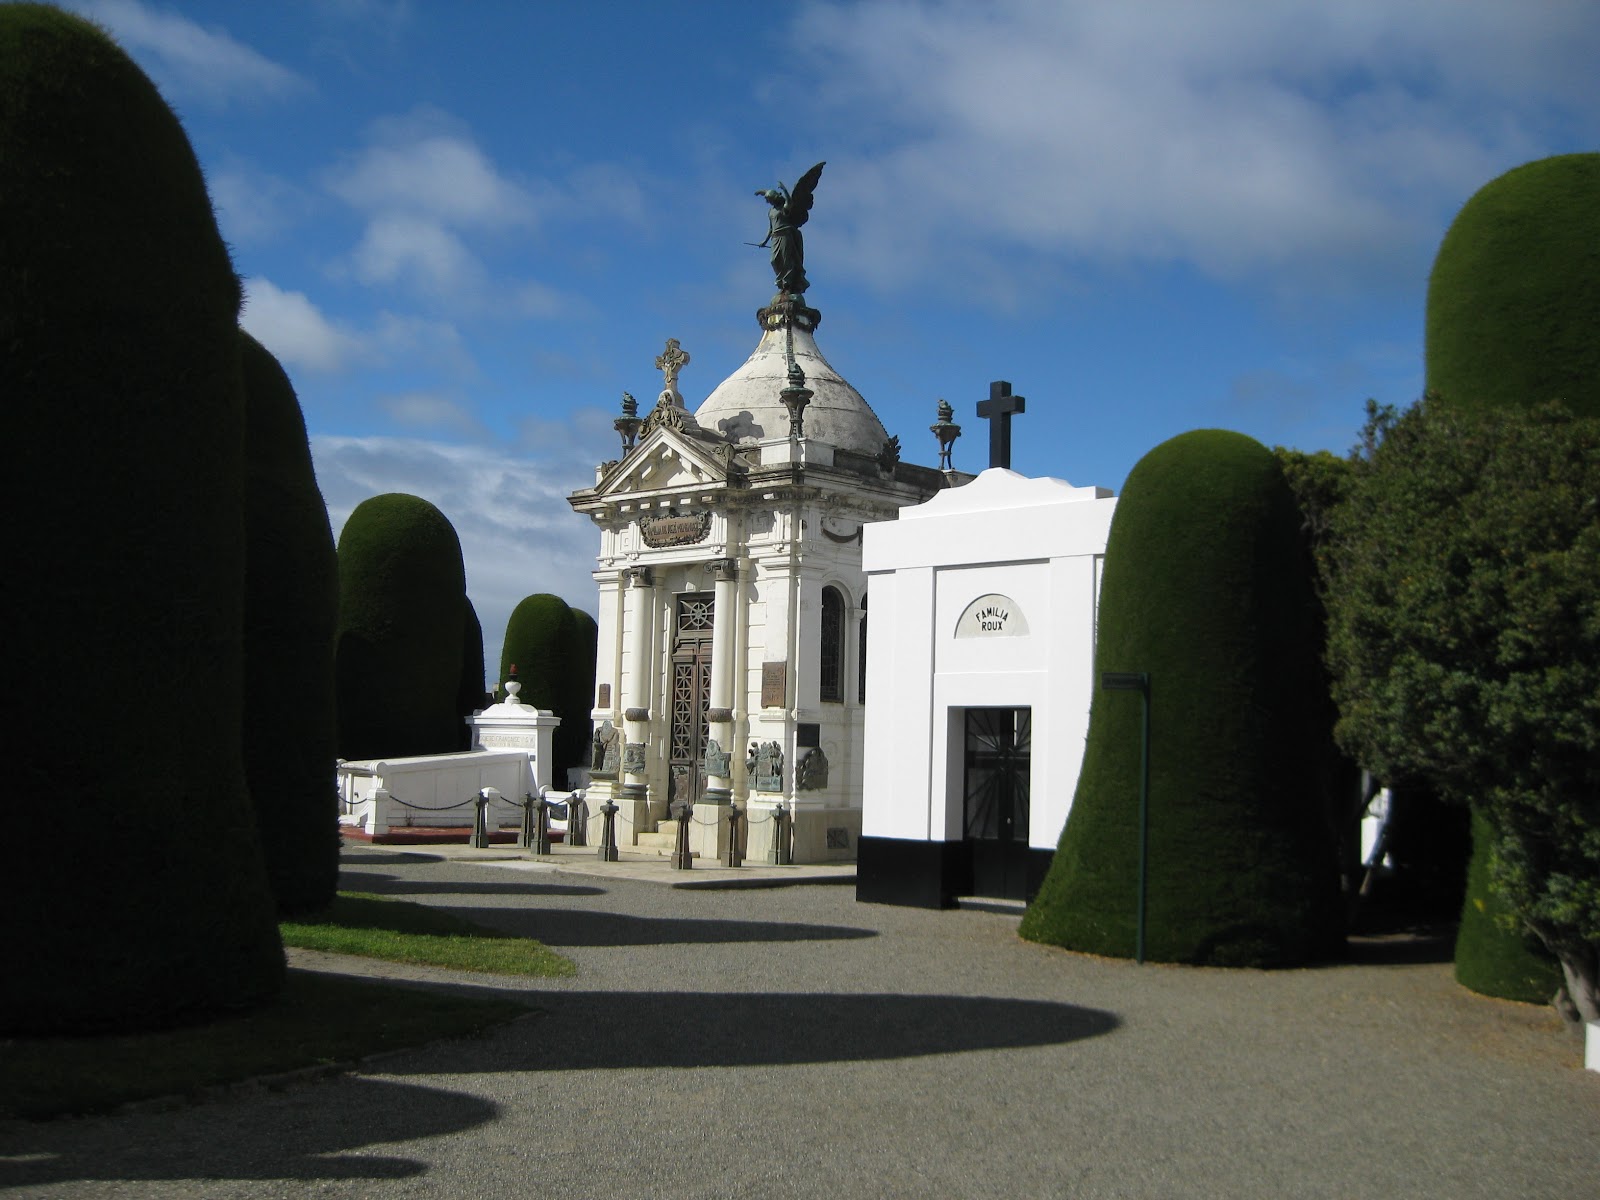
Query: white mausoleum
{"points": [[732, 612], [980, 685]]}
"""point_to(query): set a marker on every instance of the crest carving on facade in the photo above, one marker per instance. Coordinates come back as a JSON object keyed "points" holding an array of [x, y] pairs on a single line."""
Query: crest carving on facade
{"points": [[811, 774], [765, 766]]}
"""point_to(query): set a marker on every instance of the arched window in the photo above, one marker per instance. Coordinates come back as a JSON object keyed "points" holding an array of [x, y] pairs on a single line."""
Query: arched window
{"points": [[830, 648], [861, 655]]}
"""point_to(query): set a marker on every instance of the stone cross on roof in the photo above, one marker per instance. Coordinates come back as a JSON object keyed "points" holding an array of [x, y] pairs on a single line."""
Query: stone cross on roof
{"points": [[998, 410], [669, 362]]}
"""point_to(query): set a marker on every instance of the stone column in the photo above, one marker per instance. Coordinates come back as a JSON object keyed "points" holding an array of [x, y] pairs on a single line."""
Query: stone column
{"points": [[720, 717], [633, 798]]}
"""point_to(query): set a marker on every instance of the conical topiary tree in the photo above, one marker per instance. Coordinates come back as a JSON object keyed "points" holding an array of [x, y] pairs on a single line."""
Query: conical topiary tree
{"points": [[1514, 297], [543, 640], [122, 435], [291, 606], [402, 604], [577, 726], [1490, 959], [1206, 589]]}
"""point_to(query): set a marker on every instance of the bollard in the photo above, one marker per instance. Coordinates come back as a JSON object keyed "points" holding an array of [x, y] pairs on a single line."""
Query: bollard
{"points": [[682, 859], [577, 820], [526, 840], [734, 858], [778, 854], [480, 821], [608, 832], [541, 820]]}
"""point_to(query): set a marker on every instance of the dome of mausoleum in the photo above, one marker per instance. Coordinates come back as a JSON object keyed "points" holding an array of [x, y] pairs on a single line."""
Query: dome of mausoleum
{"points": [[747, 406]]}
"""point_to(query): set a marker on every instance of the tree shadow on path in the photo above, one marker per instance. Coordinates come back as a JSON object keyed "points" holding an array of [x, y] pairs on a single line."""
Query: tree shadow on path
{"points": [[562, 927]]}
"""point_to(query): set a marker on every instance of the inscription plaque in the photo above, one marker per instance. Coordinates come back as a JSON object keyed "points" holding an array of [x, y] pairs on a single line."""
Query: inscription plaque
{"points": [[675, 530], [774, 684], [717, 759], [603, 696], [808, 733], [811, 775], [765, 766], [605, 752], [633, 758]]}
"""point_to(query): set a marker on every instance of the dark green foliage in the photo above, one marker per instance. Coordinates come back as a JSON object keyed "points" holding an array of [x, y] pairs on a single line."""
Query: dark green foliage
{"points": [[122, 437], [1490, 958], [1466, 644], [1206, 589], [577, 725], [1514, 298], [470, 697], [545, 640], [402, 605], [291, 606]]}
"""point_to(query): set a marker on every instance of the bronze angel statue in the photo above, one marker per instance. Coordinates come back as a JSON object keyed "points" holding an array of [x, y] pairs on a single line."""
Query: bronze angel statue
{"points": [[789, 212]]}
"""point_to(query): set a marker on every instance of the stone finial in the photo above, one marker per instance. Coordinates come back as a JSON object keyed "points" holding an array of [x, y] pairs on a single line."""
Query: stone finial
{"points": [[512, 686], [947, 431]]}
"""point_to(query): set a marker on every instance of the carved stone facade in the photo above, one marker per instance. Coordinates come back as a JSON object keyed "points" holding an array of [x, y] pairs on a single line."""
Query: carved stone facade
{"points": [[732, 597]]}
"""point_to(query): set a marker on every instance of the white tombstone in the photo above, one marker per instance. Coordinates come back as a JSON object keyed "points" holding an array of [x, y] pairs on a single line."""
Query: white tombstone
{"points": [[980, 673]]}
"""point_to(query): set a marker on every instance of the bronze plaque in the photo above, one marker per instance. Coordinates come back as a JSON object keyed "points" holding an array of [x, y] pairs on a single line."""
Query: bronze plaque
{"points": [[604, 698], [675, 530], [774, 684]]}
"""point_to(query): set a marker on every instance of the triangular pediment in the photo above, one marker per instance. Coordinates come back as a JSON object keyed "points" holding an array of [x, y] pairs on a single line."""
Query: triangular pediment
{"points": [[667, 461]]}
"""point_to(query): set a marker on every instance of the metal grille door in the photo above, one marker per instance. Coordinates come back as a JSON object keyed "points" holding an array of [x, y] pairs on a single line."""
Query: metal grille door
{"points": [[999, 747], [691, 696]]}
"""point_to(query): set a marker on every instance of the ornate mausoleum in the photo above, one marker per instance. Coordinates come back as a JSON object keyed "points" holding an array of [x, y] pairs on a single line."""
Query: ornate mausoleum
{"points": [[732, 614]]}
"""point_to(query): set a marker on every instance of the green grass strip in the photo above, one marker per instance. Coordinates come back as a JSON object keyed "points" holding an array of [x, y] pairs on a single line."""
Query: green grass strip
{"points": [[377, 927], [317, 1020]]}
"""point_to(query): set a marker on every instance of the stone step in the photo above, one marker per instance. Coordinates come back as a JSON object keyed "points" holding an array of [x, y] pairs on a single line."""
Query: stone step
{"points": [[656, 841]]}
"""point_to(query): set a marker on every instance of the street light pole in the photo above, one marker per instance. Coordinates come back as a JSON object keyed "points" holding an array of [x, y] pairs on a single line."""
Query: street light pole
{"points": [[1138, 681]]}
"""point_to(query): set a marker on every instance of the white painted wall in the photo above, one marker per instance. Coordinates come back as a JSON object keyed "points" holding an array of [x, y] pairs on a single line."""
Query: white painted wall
{"points": [[1036, 542]]}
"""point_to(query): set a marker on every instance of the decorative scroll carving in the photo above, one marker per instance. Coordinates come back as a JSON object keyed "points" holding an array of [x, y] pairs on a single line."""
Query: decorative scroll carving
{"points": [[889, 456], [665, 415], [675, 529], [717, 759], [765, 766], [633, 758], [636, 714], [719, 714], [605, 752], [811, 775]]}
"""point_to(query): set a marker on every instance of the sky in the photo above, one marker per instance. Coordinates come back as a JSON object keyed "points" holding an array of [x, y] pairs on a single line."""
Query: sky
{"points": [[465, 228]]}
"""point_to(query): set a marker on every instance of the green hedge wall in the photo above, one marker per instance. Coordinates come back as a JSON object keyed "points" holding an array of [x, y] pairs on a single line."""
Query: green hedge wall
{"points": [[291, 608], [121, 433], [543, 640], [1207, 588], [1491, 959], [402, 605], [1514, 297], [470, 693]]}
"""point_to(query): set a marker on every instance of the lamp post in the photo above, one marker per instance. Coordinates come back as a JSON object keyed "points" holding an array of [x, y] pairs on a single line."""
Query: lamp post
{"points": [[1138, 681]]}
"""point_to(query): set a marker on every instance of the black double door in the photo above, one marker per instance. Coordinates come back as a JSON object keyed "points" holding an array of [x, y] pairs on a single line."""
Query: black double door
{"points": [[999, 743]]}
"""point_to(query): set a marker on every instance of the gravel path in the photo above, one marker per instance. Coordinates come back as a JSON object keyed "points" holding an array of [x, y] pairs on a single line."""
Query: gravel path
{"points": [[789, 1042]]}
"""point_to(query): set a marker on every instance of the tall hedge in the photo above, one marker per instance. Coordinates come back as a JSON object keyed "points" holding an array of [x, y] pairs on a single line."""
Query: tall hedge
{"points": [[470, 692], [1490, 959], [544, 640], [576, 723], [291, 607], [402, 605], [1207, 589], [1514, 297], [122, 431]]}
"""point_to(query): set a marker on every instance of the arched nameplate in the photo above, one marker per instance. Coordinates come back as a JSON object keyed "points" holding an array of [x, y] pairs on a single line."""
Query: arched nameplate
{"points": [[993, 615]]}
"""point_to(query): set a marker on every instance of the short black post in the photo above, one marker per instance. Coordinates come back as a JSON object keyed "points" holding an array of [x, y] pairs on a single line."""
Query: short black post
{"points": [[683, 813], [541, 821], [608, 832], [525, 840], [734, 857], [480, 821], [577, 820], [778, 854]]}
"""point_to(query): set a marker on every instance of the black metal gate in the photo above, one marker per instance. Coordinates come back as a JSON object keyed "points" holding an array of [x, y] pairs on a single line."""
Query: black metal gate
{"points": [[691, 696], [999, 743]]}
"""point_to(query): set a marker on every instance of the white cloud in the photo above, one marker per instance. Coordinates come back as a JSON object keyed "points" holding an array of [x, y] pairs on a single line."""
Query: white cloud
{"points": [[419, 251], [431, 410], [518, 534], [294, 329], [189, 60], [1285, 140], [425, 164], [254, 205]]}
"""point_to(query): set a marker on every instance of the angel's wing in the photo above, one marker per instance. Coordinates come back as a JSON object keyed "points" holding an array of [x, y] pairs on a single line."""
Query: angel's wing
{"points": [[799, 206]]}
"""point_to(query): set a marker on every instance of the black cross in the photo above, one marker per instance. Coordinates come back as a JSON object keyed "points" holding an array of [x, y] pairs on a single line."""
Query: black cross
{"points": [[997, 410]]}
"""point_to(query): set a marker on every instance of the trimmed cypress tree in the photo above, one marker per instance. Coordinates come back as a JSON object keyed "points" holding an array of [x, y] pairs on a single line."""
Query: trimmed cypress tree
{"points": [[402, 605], [291, 606], [542, 640], [1490, 959], [576, 723], [470, 693], [1206, 589], [122, 436], [1514, 297]]}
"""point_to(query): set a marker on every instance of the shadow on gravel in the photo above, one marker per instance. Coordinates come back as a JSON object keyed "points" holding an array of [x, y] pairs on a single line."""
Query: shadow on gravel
{"points": [[578, 927], [586, 1031], [395, 885], [384, 858], [246, 1141]]}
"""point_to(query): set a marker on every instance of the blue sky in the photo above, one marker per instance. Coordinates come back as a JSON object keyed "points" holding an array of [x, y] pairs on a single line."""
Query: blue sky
{"points": [[466, 228]]}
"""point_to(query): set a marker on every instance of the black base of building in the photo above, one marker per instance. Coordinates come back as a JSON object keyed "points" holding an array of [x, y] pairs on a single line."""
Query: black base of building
{"points": [[927, 874]]}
